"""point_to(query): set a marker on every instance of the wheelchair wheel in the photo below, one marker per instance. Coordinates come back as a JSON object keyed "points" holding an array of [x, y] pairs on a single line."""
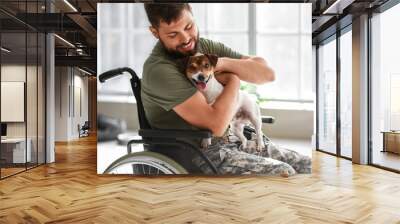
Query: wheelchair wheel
{"points": [[145, 163]]}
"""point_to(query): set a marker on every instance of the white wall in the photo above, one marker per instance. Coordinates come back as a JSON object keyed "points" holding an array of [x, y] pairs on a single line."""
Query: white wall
{"points": [[79, 117], [17, 73], [14, 73], [61, 103], [124, 111], [298, 124], [70, 83], [33, 125]]}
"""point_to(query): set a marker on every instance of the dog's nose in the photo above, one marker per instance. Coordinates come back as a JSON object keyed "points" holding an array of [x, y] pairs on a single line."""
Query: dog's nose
{"points": [[201, 77]]}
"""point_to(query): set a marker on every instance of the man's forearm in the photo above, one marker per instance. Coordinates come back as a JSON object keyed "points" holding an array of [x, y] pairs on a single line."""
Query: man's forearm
{"points": [[224, 107], [253, 70]]}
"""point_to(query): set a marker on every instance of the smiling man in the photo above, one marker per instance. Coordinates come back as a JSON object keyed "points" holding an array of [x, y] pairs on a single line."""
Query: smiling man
{"points": [[171, 102]]}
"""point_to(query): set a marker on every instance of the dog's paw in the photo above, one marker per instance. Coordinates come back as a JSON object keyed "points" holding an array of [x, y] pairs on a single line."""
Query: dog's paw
{"points": [[260, 147], [244, 146]]}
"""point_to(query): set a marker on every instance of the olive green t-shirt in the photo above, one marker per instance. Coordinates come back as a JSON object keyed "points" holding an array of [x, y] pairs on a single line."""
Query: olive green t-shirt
{"points": [[164, 86]]}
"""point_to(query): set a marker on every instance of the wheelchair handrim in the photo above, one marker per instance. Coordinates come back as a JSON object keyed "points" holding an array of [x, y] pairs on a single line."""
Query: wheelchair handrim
{"points": [[150, 159], [146, 168]]}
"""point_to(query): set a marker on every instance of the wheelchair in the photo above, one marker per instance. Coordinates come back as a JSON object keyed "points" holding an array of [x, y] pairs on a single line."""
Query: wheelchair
{"points": [[165, 151]]}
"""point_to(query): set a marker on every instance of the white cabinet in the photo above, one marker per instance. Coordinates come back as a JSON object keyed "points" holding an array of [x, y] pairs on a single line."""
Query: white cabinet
{"points": [[17, 147]]}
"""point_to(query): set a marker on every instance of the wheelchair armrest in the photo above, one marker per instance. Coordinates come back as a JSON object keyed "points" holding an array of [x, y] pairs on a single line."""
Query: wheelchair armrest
{"points": [[267, 119], [174, 133]]}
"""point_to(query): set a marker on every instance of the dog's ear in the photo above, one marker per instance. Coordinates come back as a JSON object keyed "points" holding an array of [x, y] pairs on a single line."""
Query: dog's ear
{"points": [[184, 63], [213, 59]]}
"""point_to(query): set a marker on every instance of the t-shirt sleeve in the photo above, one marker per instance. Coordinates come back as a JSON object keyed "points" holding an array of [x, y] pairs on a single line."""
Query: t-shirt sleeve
{"points": [[168, 87], [220, 49]]}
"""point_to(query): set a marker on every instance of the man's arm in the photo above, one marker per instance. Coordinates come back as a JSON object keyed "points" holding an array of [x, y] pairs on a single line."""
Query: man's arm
{"points": [[215, 117], [249, 69]]}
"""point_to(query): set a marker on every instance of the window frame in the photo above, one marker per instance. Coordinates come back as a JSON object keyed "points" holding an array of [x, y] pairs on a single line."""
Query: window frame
{"points": [[251, 35], [334, 37]]}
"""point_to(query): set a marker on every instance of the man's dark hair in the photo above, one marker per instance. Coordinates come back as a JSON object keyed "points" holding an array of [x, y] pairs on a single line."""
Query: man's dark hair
{"points": [[162, 12]]}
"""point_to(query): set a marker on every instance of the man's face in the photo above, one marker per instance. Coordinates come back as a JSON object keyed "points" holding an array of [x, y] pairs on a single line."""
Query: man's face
{"points": [[180, 38]]}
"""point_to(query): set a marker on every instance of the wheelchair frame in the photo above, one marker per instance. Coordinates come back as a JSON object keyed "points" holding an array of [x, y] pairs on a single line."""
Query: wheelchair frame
{"points": [[167, 137]]}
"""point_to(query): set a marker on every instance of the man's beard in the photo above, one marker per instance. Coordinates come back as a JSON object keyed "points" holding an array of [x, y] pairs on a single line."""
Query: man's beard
{"points": [[177, 54]]}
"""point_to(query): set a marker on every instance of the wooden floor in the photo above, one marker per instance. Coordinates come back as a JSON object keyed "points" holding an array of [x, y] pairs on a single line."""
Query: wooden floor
{"points": [[70, 191], [10, 171]]}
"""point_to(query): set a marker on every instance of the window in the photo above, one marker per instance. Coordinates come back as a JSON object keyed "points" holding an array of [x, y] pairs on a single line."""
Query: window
{"points": [[233, 32], [394, 101], [124, 41], [22, 74], [283, 38], [281, 33], [327, 96], [385, 85], [346, 94]]}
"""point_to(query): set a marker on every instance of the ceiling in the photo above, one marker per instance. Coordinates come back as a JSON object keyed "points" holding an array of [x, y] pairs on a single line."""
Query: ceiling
{"points": [[75, 21]]}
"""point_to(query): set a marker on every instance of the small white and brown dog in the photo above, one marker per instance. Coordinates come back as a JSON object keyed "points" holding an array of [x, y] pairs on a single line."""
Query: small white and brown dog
{"points": [[199, 70]]}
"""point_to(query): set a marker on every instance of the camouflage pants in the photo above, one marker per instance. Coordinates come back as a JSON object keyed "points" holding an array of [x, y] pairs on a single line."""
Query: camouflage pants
{"points": [[230, 158]]}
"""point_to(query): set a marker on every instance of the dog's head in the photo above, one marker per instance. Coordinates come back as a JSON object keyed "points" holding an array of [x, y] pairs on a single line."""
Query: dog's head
{"points": [[200, 69]]}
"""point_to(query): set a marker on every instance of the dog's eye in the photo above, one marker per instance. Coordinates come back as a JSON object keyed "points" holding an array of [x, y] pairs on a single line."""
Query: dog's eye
{"points": [[207, 65]]}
